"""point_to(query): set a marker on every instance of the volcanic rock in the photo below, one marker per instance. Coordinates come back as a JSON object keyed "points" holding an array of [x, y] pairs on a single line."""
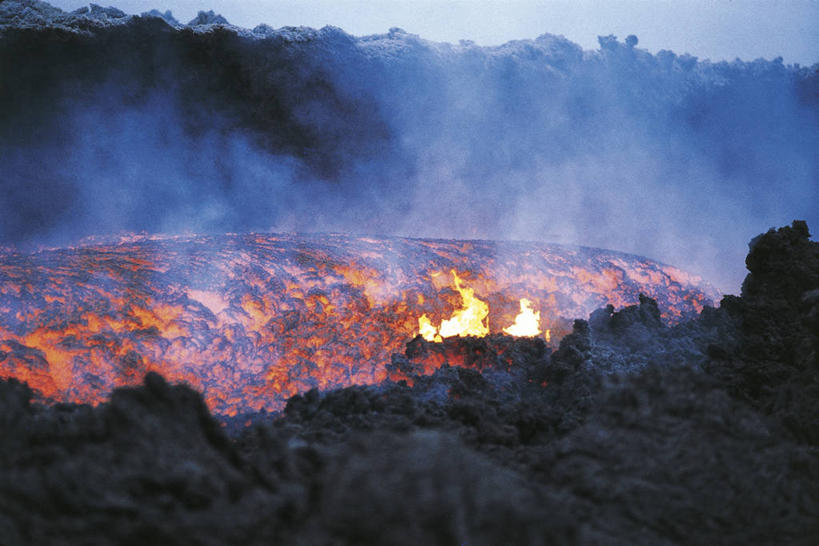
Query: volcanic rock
{"points": [[207, 18], [665, 438], [254, 319]]}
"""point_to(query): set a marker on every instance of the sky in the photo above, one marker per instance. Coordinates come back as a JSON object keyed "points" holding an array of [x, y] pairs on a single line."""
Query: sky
{"points": [[715, 29], [618, 152]]}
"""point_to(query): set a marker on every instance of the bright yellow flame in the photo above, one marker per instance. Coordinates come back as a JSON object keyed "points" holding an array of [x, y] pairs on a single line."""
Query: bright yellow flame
{"points": [[527, 323], [427, 330], [470, 320]]}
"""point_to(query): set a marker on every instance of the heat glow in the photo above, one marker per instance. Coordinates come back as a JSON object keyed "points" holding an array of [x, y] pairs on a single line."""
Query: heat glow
{"points": [[527, 323], [469, 320], [251, 320]]}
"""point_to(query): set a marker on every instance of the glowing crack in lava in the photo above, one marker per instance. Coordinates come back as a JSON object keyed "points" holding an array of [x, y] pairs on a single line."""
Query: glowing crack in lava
{"points": [[251, 320]]}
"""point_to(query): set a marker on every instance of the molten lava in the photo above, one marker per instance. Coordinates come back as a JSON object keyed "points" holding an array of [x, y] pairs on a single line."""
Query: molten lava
{"points": [[426, 330], [527, 323], [469, 320], [251, 320]]}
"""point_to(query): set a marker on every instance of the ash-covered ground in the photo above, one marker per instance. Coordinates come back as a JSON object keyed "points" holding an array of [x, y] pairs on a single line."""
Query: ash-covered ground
{"points": [[629, 433]]}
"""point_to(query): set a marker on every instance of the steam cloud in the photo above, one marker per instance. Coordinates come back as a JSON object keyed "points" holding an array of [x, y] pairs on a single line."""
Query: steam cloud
{"points": [[117, 123]]}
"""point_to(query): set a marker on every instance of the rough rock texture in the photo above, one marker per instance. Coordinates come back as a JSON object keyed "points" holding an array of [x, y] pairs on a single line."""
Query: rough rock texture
{"points": [[630, 432], [776, 369]]}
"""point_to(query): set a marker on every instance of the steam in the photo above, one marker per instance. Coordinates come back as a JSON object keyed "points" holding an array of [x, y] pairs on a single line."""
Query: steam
{"points": [[140, 123]]}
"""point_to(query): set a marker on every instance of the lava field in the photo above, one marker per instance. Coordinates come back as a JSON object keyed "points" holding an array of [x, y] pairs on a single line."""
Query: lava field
{"points": [[203, 343], [631, 431], [252, 320]]}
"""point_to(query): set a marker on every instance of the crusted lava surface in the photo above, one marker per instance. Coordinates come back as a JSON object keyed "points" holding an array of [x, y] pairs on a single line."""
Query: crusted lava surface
{"points": [[630, 432], [251, 320]]}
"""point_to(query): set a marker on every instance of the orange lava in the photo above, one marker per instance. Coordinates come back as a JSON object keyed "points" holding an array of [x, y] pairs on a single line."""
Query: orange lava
{"points": [[251, 320]]}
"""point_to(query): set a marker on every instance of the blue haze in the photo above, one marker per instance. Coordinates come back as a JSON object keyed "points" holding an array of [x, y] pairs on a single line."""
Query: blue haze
{"points": [[136, 123]]}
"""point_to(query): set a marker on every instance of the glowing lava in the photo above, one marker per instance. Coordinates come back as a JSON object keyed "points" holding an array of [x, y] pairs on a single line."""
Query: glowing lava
{"points": [[527, 323], [250, 320], [426, 330], [469, 320]]}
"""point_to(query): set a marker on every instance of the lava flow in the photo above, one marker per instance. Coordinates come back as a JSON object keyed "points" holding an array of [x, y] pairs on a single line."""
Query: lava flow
{"points": [[527, 323], [471, 319], [251, 320]]}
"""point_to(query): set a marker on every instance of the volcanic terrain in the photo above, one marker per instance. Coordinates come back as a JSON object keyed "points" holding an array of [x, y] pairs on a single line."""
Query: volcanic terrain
{"points": [[630, 432], [253, 320], [279, 379]]}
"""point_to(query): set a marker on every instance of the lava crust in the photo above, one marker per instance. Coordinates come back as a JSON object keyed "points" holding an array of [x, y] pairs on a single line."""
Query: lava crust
{"points": [[630, 432], [251, 320]]}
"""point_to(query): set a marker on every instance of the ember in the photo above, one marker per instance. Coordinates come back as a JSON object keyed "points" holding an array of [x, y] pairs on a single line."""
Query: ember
{"points": [[251, 320]]}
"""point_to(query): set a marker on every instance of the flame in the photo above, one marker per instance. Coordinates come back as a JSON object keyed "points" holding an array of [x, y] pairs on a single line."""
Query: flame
{"points": [[469, 320], [427, 330], [251, 320], [527, 323]]}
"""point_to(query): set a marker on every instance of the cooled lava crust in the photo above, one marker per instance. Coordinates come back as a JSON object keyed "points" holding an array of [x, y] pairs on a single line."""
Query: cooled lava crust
{"points": [[251, 320], [630, 432]]}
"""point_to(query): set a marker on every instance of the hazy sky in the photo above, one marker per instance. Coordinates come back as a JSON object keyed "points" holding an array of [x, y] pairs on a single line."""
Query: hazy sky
{"points": [[715, 29]]}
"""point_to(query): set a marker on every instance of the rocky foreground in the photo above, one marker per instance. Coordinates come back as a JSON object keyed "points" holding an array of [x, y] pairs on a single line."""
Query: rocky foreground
{"points": [[630, 432]]}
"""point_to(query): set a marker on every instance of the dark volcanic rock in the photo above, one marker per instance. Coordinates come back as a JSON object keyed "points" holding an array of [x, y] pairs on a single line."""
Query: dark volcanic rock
{"points": [[150, 467], [668, 456], [631, 432], [776, 367], [208, 18]]}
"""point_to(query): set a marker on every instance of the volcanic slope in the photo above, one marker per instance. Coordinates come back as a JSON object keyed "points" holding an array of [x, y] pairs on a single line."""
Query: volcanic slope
{"points": [[721, 446], [251, 320]]}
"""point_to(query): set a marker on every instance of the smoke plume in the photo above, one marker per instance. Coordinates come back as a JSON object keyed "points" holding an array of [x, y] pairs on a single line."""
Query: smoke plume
{"points": [[111, 122]]}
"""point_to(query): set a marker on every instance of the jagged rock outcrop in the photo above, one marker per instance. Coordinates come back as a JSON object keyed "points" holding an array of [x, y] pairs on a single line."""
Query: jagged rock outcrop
{"points": [[775, 368], [600, 441]]}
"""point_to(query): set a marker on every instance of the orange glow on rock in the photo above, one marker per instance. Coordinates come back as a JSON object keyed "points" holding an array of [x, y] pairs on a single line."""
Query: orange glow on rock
{"points": [[427, 330], [251, 320], [470, 319]]}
